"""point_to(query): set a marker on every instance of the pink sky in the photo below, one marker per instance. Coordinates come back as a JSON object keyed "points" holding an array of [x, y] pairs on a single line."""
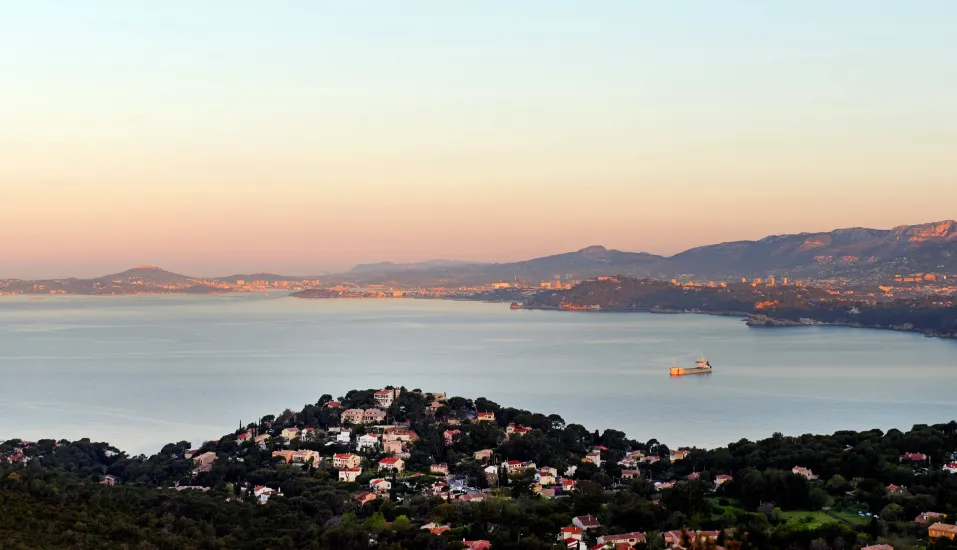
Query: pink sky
{"points": [[198, 139]]}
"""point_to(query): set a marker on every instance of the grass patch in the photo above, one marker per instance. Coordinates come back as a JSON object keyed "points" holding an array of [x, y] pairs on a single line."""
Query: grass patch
{"points": [[813, 520]]}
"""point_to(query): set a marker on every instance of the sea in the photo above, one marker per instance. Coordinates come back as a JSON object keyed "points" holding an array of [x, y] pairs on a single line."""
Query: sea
{"points": [[142, 371]]}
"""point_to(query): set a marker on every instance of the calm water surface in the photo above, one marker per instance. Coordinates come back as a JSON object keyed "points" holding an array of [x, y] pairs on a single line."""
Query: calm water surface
{"points": [[140, 371]]}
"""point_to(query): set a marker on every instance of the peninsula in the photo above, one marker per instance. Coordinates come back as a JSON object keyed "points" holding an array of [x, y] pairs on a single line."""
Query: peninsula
{"points": [[394, 468]]}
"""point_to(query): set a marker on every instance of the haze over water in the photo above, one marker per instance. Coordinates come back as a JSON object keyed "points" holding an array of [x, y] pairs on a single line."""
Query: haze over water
{"points": [[141, 371]]}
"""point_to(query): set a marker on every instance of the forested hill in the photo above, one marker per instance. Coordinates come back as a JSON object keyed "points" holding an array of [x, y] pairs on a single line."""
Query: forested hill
{"points": [[765, 305], [430, 472]]}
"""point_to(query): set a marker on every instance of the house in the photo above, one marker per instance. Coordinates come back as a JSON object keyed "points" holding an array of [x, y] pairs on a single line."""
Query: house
{"points": [[365, 498], [451, 435], [491, 475], [649, 459], [244, 437], [290, 433], [368, 442], [384, 398], [108, 480], [391, 464], [721, 480], [630, 474], [439, 469], [913, 457], [659, 486], [544, 478], [928, 517], [344, 437], [380, 485], [439, 487], [549, 471], [188, 455], [261, 490], [334, 404], [351, 416], [305, 456], [349, 475], [433, 408], [346, 460], [484, 454], [942, 530], [205, 459], [878, 547], [894, 489], [570, 533], [694, 476], [404, 435], [485, 416], [517, 429], [286, 455], [567, 484], [308, 434], [631, 539], [373, 416], [586, 522], [594, 457], [436, 529], [628, 463], [262, 439], [798, 470], [477, 544], [513, 466], [679, 454], [392, 446], [674, 538], [951, 467]]}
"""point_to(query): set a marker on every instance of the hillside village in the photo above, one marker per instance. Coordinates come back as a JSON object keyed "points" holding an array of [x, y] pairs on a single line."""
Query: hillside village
{"points": [[422, 461]]}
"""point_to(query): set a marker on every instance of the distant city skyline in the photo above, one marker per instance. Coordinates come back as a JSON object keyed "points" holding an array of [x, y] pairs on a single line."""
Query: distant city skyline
{"points": [[234, 137]]}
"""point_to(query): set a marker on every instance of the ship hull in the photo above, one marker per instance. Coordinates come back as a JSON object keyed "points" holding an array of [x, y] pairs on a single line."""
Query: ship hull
{"points": [[690, 370]]}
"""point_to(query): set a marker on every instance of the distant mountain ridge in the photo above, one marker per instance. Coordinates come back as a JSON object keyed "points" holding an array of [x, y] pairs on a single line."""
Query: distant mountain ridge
{"points": [[855, 253], [838, 251]]}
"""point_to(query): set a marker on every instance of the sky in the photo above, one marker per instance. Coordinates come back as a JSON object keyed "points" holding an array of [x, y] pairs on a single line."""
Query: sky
{"points": [[299, 137]]}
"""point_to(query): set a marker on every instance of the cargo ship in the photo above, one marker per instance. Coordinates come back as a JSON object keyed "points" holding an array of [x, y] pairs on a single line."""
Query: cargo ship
{"points": [[701, 366], [515, 305]]}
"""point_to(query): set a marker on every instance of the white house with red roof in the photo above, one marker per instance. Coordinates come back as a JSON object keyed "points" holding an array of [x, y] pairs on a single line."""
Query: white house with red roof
{"points": [[586, 522], [951, 467], [485, 416], [244, 437], [391, 464], [630, 474], [571, 532], [439, 469], [380, 485], [594, 457], [290, 433]]}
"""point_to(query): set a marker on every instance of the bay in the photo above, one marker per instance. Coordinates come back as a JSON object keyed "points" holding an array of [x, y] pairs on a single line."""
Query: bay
{"points": [[141, 371]]}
